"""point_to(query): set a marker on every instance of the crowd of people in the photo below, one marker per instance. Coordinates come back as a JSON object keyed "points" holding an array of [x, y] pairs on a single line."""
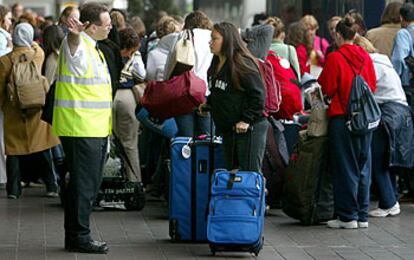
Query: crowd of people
{"points": [[92, 57]]}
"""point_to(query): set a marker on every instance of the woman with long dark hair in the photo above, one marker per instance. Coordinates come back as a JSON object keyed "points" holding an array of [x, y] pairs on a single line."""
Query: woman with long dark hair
{"points": [[53, 37], [237, 99]]}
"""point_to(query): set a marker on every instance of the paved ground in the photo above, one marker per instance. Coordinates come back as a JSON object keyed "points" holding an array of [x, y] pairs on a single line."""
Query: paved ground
{"points": [[32, 228]]}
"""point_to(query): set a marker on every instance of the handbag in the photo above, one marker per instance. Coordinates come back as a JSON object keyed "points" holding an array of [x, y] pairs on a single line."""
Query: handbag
{"points": [[183, 55], [177, 96], [47, 110]]}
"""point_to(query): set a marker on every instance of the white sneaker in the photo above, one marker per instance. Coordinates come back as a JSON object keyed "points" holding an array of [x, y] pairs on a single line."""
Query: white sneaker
{"points": [[363, 224], [381, 213], [336, 223]]}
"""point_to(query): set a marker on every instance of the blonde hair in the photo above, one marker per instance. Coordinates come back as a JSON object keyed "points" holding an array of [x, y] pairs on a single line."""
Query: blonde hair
{"points": [[365, 44], [277, 24], [310, 22], [166, 25]]}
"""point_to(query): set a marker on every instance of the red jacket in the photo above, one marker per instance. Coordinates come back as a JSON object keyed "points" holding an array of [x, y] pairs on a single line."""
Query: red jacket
{"points": [[337, 75], [303, 59]]}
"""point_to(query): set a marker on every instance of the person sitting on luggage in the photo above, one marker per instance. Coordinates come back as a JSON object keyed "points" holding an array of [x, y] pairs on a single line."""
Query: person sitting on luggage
{"points": [[237, 99], [350, 154], [396, 123], [124, 121]]}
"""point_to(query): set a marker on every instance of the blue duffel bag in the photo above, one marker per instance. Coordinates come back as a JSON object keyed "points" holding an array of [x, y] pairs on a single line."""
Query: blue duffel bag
{"points": [[167, 128]]}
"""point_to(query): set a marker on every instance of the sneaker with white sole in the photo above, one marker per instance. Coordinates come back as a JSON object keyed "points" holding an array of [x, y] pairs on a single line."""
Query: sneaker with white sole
{"points": [[363, 224], [382, 213], [336, 223]]}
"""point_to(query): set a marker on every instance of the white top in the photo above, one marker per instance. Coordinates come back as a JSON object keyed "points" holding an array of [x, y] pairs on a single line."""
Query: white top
{"points": [[134, 68], [77, 64], [389, 87], [203, 55], [157, 58], [4, 38]]}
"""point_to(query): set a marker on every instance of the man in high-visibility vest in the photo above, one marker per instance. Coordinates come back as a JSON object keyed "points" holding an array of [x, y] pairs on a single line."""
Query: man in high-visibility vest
{"points": [[82, 120]]}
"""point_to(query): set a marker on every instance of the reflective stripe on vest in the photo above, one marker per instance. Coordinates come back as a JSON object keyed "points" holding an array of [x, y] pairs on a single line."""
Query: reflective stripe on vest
{"points": [[82, 81], [82, 106]]}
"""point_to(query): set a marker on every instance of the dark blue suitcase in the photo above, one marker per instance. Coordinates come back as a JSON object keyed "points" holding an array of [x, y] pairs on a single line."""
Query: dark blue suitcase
{"points": [[191, 162], [236, 211]]}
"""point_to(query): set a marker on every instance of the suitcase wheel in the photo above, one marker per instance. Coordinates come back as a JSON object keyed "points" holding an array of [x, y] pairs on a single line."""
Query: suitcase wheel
{"points": [[213, 250]]}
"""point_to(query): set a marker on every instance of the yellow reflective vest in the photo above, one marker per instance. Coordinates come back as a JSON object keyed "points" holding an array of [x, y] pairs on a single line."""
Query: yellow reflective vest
{"points": [[82, 106]]}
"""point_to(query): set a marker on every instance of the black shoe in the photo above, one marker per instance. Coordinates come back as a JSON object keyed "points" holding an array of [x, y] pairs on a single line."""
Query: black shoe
{"points": [[92, 247], [72, 244]]}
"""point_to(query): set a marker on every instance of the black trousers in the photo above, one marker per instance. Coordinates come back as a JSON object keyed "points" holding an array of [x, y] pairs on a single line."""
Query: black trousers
{"points": [[34, 165], [84, 161], [246, 151]]}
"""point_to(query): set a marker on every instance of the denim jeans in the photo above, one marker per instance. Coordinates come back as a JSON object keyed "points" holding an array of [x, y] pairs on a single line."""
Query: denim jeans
{"points": [[185, 124], [351, 166], [385, 179]]}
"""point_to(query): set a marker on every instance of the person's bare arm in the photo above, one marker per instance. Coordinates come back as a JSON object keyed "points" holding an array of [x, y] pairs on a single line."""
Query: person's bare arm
{"points": [[75, 28]]}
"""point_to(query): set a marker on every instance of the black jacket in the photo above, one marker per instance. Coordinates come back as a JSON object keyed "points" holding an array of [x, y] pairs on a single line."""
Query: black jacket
{"points": [[112, 55], [230, 105], [398, 123]]}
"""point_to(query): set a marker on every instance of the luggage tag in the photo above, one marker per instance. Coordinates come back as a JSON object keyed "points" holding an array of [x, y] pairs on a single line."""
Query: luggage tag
{"points": [[186, 150]]}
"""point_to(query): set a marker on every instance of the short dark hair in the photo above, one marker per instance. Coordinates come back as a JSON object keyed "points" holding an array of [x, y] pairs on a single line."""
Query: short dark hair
{"points": [[91, 12], [347, 28], [128, 38], [407, 12], [197, 19]]}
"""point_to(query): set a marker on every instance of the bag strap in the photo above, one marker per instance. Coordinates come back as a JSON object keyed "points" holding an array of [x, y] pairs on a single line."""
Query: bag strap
{"points": [[355, 74], [338, 91], [350, 65], [288, 47]]}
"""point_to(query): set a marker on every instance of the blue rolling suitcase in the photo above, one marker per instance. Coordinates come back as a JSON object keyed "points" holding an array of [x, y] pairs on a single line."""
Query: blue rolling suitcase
{"points": [[192, 164], [236, 211]]}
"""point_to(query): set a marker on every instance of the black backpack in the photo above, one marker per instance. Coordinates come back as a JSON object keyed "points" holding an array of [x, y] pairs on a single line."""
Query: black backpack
{"points": [[363, 113]]}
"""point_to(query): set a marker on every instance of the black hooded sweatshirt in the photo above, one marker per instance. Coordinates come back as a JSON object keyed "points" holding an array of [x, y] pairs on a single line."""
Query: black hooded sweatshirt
{"points": [[230, 105]]}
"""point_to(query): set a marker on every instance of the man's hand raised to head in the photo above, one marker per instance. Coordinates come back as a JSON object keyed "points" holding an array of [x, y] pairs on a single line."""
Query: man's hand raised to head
{"points": [[75, 27]]}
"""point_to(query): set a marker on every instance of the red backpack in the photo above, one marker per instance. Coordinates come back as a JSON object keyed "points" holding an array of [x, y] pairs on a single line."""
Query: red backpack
{"points": [[273, 92], [291, 94]]}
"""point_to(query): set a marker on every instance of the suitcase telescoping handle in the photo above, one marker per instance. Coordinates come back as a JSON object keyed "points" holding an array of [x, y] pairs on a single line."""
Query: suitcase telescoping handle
{"points": [[232, 179], [249, 147]]}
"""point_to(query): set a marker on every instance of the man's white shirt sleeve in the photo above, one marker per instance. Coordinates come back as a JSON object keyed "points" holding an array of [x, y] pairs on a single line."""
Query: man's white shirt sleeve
{"points": [[77, 63]]}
